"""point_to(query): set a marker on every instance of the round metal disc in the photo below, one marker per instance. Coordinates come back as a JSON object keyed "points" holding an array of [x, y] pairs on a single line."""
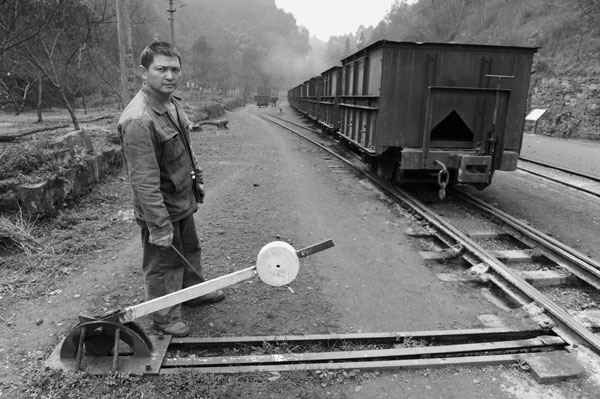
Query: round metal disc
{"points": [[277, 263]]}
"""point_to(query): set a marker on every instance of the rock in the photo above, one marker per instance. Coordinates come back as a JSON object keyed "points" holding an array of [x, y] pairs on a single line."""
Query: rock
{"points": [[38, 198], [77, 138]]}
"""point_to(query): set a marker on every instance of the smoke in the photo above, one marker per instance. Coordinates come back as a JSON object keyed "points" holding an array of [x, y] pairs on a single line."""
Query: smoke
{"points": [[287, 67]]}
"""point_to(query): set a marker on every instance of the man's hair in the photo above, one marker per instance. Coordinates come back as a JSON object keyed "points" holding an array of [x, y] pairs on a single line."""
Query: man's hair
{"points": [[158, 48]]}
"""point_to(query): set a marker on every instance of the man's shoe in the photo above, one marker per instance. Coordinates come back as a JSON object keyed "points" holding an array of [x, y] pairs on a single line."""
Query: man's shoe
{"points": [[211, 297], [177, 329]]}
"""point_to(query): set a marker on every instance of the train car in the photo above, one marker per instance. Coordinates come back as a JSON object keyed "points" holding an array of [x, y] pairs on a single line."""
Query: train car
{"points": [[454, 109], [298, 97], [295, 97], [315, 88], [263, 96], [329, 115], [304, 94]]}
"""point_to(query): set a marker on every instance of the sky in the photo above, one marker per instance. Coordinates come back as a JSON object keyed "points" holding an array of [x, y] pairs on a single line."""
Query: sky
{"points": [[325, 18]]}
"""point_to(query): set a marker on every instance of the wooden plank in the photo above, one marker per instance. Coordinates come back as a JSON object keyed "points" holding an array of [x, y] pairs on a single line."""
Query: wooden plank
{"points": [[134, 312], [443, 254], [365, 354], [483, 235], [420, 232], [408, 364], [512, 255], [546, 278], [459, 277]]}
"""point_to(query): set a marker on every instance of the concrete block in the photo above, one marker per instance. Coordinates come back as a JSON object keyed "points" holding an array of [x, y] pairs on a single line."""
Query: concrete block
{"points": [[551, 367], [40, 197], [77, 138]]}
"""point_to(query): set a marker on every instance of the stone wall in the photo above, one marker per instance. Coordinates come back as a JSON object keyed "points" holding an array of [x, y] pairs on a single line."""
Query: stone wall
{"points": [[572, 104], [81, 167]]}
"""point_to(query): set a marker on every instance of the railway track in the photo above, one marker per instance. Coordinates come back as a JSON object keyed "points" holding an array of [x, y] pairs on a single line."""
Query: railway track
{"points": [[582, 182], [461, 257], [528, 272]]}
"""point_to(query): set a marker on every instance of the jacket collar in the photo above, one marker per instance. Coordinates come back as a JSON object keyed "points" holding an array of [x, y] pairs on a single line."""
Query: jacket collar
{"points": [[154, 102]]}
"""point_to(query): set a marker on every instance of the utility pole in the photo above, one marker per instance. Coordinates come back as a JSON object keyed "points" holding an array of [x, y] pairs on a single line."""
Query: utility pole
{"points": [[171, 10], [125, 52]]}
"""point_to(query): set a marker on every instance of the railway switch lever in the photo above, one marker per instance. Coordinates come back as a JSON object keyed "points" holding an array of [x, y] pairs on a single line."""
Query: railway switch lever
{"points": [[114, 342]]}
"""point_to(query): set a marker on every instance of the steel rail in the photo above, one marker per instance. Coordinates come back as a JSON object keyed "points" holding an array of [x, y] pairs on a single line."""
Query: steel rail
{"points": [[559, 181], [543, 343], [512, 277], [579, 264], [565, 183], [569, 171], [407, 364], [389, 338], [440, 348]]}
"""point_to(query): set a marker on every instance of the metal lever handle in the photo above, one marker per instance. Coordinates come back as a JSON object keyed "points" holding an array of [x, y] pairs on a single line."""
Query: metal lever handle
{"points": [[133, 312], [313, 249]]}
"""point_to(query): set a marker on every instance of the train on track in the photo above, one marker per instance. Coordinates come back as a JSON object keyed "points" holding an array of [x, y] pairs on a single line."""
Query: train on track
{"points": [[455, 110], [265, 96]]}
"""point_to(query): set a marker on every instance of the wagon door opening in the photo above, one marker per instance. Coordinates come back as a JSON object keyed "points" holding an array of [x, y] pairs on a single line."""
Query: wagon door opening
{"points": [[464, 130], [452, 130]]}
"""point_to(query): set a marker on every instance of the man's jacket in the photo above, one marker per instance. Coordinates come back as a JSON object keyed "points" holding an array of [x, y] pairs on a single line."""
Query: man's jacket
{"points": [[160, 163]]}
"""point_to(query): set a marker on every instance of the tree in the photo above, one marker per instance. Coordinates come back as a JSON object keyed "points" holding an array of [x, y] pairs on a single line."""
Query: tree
{"points": [[361, 37], [23, 20], [59, 52], [15, 87]]}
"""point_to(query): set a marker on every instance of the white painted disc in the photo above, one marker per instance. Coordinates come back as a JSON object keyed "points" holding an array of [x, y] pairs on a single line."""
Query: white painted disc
{"points": [[277, 263]]}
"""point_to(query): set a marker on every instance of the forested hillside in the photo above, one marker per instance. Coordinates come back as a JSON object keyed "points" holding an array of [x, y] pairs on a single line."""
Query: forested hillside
{"points": [[232, 43], [64, 52], [567, 32], [565, 80]]}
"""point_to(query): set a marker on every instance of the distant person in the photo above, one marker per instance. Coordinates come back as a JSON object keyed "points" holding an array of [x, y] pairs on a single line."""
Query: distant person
{"points": [[167, 185]]}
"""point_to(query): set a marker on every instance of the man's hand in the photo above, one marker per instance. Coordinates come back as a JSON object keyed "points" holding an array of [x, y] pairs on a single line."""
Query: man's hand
{"points": [[200, 192], [162, 241]]}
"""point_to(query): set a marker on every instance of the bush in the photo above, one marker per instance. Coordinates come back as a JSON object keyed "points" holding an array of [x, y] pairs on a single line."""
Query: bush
{"points": [[24, 161]]}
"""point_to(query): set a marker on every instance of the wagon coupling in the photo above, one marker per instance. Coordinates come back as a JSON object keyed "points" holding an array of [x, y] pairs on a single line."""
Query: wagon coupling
{"points": [[443, 179], [114, 342]]}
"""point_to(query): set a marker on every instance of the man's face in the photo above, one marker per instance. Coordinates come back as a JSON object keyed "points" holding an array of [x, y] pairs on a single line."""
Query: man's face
{"points": [[163, 74]]}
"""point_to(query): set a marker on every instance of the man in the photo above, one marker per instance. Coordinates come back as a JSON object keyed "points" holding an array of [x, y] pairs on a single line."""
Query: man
{"points": [[167, 185]]}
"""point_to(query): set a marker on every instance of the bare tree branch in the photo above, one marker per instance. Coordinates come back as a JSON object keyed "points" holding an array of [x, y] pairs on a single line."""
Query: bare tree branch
{"points": [[21, 37]]}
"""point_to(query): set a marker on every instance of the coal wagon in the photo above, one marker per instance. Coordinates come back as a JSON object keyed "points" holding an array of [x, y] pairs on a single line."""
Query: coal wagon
{"points": [[329, 110], [454, 109], [263, 96]]}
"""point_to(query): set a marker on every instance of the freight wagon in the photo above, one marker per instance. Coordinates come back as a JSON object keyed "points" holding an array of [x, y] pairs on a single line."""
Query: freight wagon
{"points": [[453, 109], [329, 110], [263, 96]]}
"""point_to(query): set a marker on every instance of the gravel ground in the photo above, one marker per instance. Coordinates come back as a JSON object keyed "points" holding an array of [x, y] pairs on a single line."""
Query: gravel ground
{"points": [[263, 184]]}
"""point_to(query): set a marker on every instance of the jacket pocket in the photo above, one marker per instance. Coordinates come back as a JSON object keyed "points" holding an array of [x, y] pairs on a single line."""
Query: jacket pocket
{"points": [[172, 148], [182, 179]]}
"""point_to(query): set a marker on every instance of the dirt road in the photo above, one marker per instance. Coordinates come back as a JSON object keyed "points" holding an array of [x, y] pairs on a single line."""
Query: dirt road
{"points": [[264, 184]]}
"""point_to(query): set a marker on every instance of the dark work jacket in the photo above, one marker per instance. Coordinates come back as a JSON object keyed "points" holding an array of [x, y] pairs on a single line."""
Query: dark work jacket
{"points": [[160, 164]]}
